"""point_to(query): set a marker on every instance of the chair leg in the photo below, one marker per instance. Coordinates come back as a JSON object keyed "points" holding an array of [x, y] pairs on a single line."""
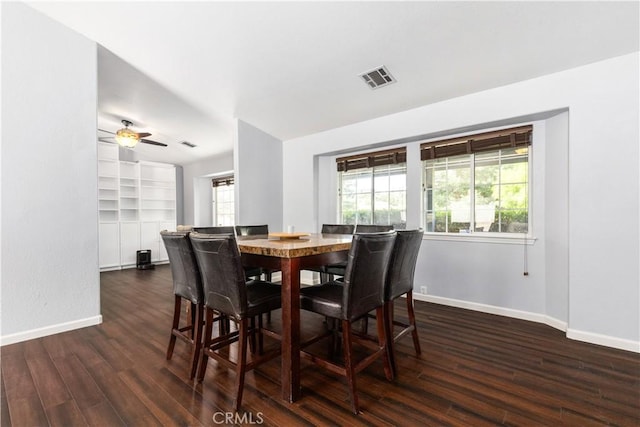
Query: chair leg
{"points": [[383, 342], [208, 329], [192, 318], [222, 325], [349, 365], [412, 322], [333, 337], [197, 340], [388, 323], [260, 336], [176, 321], [242, 363], [364, 325], [252, 335]]}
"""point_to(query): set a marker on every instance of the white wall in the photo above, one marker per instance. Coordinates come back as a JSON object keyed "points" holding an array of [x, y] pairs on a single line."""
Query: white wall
{"points": [[258, 177], [603, 200], [596, 300], [556, 222], [197, 188], [50, 276]]}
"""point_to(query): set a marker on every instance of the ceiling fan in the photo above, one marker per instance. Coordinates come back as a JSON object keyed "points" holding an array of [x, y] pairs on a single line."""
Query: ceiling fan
{"points": [[128, 138]]}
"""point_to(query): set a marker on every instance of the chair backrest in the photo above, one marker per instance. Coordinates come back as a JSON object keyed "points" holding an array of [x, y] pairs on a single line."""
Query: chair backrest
{"points": [[223, 277], [187, 281], [369, 228], [366, 273], [215, 230], [338, 228], [403, 263], [252, 230]]}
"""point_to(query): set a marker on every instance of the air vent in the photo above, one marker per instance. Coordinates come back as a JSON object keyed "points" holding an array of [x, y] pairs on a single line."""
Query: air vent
{"points": [[188, 144], [378, 77]]}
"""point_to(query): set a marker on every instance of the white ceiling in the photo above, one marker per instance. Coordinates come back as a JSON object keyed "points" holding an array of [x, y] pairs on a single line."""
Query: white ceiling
{"points": [[186, 71]]}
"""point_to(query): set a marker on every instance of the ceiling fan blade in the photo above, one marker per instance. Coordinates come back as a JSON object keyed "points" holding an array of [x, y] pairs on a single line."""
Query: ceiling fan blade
{"points": [[143, 135], [109, 139], [107, 131], [148, 141]]}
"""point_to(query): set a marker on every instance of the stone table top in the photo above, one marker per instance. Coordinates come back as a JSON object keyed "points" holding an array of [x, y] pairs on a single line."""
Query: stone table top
{"points": [[313, 244]]}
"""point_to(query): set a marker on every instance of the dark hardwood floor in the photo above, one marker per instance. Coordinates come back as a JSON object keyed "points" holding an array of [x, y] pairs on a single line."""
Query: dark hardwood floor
{"points": [[476, 370]]}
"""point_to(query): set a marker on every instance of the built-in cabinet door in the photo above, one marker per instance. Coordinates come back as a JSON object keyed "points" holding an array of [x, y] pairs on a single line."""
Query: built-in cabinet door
{"points": [[129, 242], [109, 248], [150, 239], [170, 226]]}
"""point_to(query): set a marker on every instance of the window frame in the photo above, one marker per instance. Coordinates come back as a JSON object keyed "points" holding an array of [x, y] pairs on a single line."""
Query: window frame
{"points": [[226, 182], [371, 161], [481, 236], [371, 171]]}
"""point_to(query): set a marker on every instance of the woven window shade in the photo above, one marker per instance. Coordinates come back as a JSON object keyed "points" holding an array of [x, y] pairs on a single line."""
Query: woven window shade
{"points": [[487, 141], [369, 160], [224, 180]]}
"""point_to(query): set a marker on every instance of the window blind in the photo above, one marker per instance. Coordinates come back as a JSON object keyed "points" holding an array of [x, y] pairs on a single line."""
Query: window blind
{"points": [[487, 141], [223, 180], [369, 160]]}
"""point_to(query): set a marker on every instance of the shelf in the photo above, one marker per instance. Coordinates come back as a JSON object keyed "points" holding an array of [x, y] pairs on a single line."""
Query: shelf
{"points": [[132, 194], [109, 205], [168, 187], [108, 216]]}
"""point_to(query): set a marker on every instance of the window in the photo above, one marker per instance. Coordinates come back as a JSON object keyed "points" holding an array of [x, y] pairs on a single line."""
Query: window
{"points": [[479, 183], [223, 201], [372, 188]]}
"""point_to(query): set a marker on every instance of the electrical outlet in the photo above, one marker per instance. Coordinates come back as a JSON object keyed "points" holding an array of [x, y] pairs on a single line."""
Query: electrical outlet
{"points": [[423, 290]]}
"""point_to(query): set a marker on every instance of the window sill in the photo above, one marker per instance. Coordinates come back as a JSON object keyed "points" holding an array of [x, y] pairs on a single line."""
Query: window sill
{"points": [[508, 239]]}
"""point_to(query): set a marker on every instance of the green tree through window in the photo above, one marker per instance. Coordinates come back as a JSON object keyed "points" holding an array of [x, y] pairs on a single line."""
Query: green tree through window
{"points": [[498, 203]]}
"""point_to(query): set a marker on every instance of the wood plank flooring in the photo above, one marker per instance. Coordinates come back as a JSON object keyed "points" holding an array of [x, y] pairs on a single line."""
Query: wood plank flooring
{"points": [[476, 370]]}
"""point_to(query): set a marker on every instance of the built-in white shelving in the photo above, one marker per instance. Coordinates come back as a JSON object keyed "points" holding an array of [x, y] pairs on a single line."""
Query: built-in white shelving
{"points": [[129, 197], [107, 182], [136, 200]]}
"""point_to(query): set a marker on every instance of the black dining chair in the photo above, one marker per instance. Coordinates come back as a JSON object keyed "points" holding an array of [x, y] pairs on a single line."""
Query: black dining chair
{"points": [[361, 292], [226, 291], [337, 228], [331, 229], [338, 269], [187, 286], [255, 272], [221, 229], [372, 228], [402, 269], [252, 230], [255, 230], [400, 282]]}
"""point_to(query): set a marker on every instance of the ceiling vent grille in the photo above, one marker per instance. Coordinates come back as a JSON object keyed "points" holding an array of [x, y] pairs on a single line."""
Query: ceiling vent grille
{"points": [[188, 144], [378, 77]]}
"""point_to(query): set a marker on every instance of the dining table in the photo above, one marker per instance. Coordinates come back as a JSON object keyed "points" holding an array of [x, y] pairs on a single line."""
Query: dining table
{"points": [[291, 253]]}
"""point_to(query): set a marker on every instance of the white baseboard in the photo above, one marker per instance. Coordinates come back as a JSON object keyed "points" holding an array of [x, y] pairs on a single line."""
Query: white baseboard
{"points": [[589, 337], [49, 330], [555, 323], [491, 309], [605, 340]]}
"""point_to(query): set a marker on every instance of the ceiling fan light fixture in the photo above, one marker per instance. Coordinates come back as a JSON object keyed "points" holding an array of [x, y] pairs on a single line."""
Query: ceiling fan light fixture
{"points": [[126, 137]]}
